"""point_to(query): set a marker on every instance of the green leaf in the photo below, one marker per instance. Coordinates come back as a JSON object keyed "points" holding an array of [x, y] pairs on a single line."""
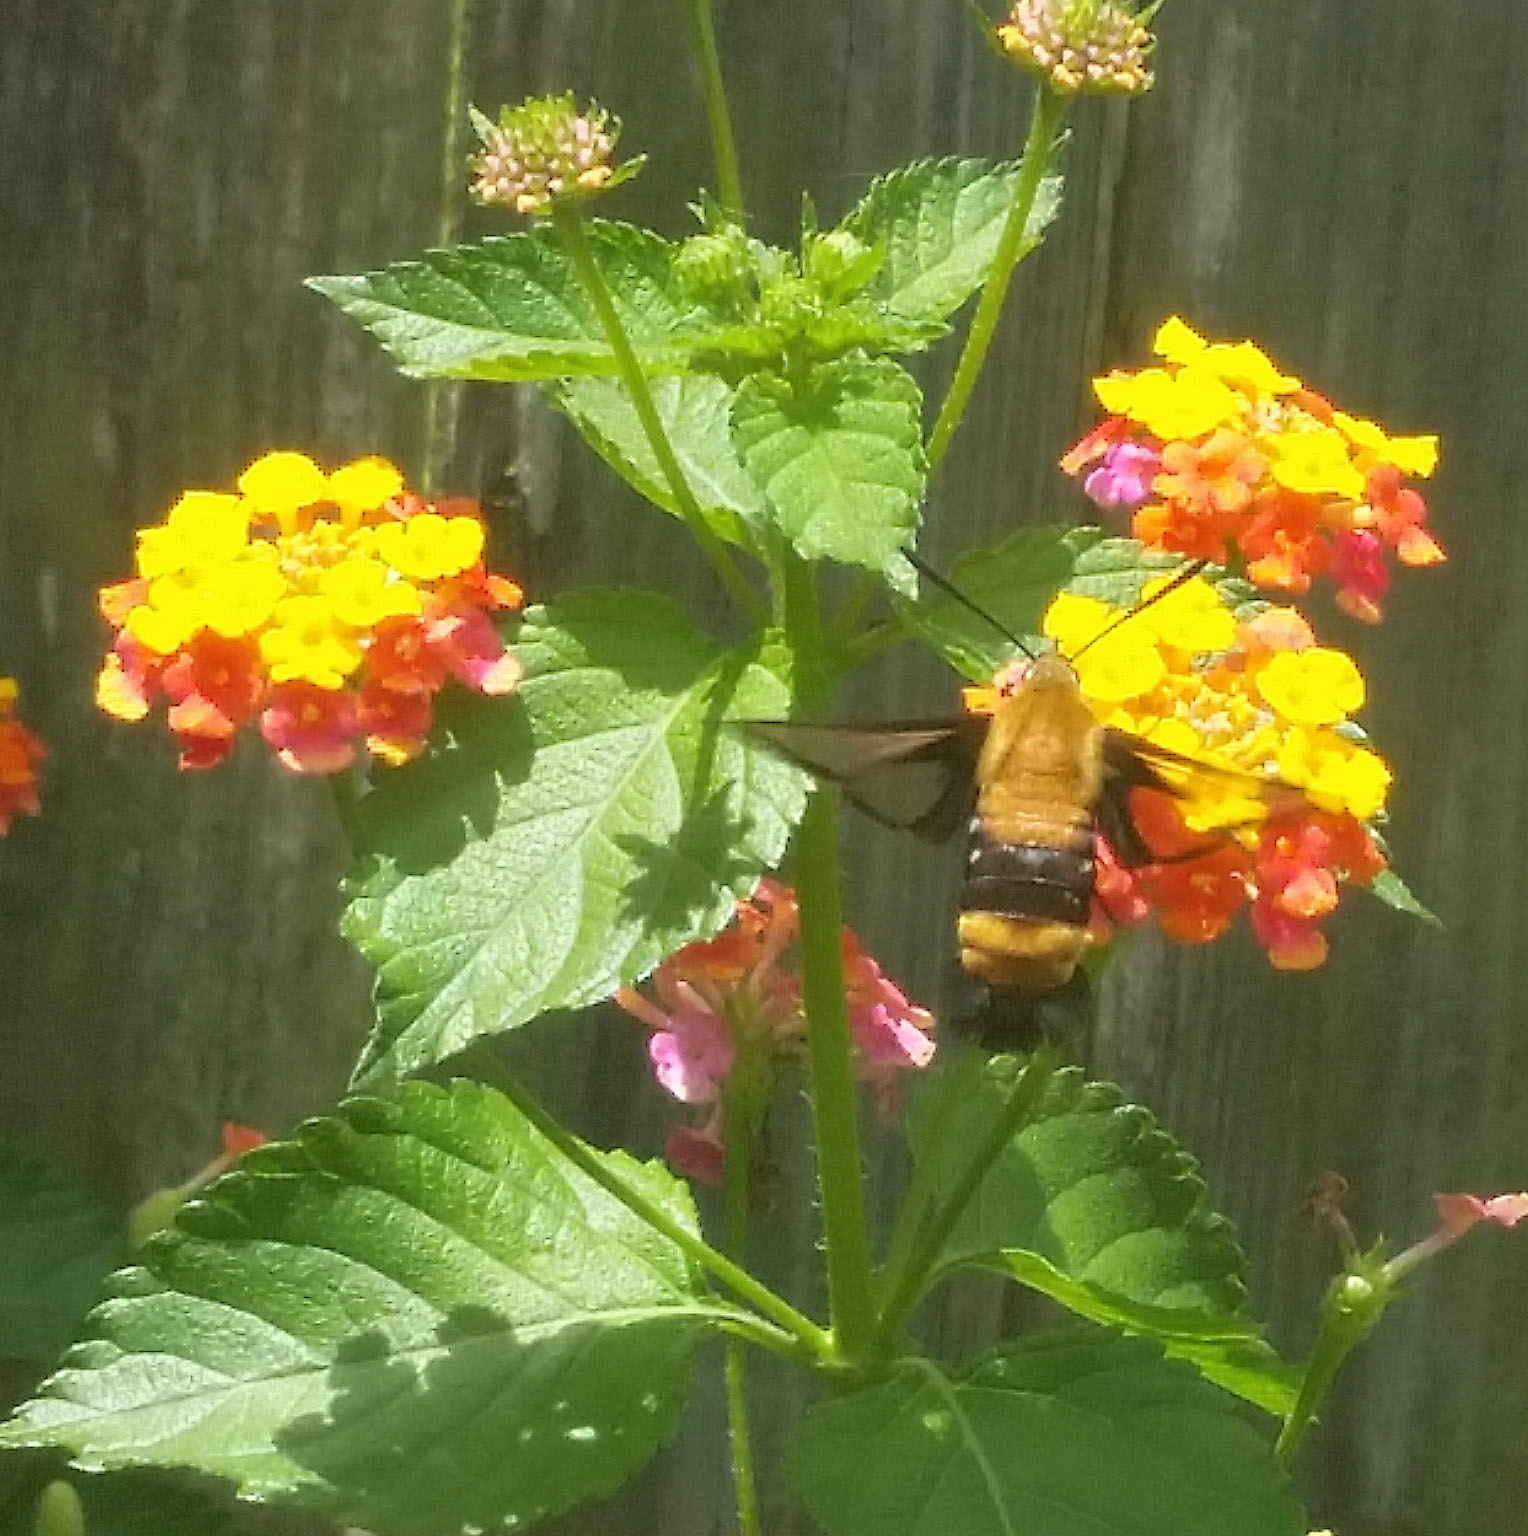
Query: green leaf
{"points": [[1012, 582], [696, 410], [1095, 1206], [1074, 1435], [840, 458], [512, 307], [1389, 888], [938, 223], [416, 1317], [56, 1247], [558, 845]]}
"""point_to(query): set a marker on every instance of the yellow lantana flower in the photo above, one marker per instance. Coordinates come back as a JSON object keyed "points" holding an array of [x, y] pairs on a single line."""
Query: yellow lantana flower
{"points": [[1187, 404], [428, 546], [308, 642], [363, 592], [1315, 463], [1312, 687], [202, 528], [1237, 362]]}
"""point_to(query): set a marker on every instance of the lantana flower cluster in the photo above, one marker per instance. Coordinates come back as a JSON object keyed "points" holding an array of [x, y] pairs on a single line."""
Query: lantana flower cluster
{"points": [[733, 1005], [329, 607], [1096, 47], [1218, 455], [20, 753], [1268, 788], [544, 151]]}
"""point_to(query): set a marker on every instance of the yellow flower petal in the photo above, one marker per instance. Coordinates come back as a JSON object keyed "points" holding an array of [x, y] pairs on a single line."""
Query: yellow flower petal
{"points": [[308, 642], [428, 546], [365, 484], [363, 592], [1191, 618], [239, 597], [202, 528], [1123, 666], [1071, 621], [1315, 463], [1312, 687], [282, 482]]}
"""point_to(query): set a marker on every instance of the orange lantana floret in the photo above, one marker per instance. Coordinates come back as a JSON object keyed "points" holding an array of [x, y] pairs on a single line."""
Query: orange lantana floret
{"points": [[330, 606]]}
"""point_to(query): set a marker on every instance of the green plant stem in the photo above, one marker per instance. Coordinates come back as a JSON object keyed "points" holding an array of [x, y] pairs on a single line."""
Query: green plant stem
{"points": [[905, 1284], [829, 1050], [1044, 124], [812, 1339], [570, 229], [450, 218], [741, 1141], [723, 145]]}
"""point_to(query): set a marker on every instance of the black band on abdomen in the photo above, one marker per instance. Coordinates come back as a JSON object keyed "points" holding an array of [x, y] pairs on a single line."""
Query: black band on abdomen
{"points": [[1028, 880]]}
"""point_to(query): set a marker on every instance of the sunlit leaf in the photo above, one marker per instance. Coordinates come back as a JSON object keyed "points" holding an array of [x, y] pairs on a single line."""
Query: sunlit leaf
{"points": [[555, 845], [416, 1317]]}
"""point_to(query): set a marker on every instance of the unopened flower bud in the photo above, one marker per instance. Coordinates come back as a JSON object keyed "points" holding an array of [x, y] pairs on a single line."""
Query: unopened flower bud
{"points": [[840, 263], [790, 304], [1097, 47], [712, 268], [543, 151]]}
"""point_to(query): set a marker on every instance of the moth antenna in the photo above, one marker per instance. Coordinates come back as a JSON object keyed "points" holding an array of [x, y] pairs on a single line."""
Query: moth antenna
{"points": [[948, 587], [1185, 573]]}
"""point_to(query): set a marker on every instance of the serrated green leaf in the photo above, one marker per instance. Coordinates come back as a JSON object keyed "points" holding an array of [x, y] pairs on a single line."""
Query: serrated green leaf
{"points": [[1094, 1205], [840, 457], [416, 1316], [1388, 887], [696, 411], [559, 844], [1075, 1435], [56, 1247], [512, 307], [938, 223]]}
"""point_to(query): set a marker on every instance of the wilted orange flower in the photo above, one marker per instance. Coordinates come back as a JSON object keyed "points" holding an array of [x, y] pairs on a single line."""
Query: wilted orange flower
{"points": [[1219, 455], [20, 753], [333, 606]]}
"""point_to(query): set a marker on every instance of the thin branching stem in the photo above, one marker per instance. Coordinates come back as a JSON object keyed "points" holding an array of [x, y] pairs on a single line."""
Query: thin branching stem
{"points": [[570, 228], [904, 1286], [808, 1336], [723, 144], [1044, 124], [830, 1056], [741, 1142]]}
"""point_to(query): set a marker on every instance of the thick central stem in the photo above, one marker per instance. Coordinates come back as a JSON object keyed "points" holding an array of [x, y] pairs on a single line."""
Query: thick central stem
{"points": [[829, 1049]]}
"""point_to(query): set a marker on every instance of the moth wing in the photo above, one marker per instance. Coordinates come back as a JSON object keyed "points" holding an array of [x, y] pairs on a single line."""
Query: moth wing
{"points": [[917, 777], [1133, 762]]}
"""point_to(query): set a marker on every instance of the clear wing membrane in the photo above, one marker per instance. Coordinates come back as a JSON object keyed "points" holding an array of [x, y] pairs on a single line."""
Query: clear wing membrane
{"points": [[917, 777]]}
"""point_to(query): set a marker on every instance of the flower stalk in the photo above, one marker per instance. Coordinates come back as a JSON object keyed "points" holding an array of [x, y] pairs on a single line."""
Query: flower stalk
{"points": [[723, 144], [829, 1054], [740, 1116], [1045, 122]]}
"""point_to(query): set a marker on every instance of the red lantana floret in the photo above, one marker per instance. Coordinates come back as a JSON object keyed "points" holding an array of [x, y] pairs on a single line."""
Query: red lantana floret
{"points": [[330, 608], [20, 754]]}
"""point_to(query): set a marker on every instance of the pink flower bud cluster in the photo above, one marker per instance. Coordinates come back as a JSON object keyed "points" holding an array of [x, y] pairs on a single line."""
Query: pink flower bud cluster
{"points": [[1092, 46], [734, 1004], [541, 151]]}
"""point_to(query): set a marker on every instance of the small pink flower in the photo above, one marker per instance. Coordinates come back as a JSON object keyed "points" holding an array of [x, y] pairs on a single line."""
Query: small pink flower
{"points": [[1459, 1213], [692, 1057], [698, 1154], [1123, 479]]}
